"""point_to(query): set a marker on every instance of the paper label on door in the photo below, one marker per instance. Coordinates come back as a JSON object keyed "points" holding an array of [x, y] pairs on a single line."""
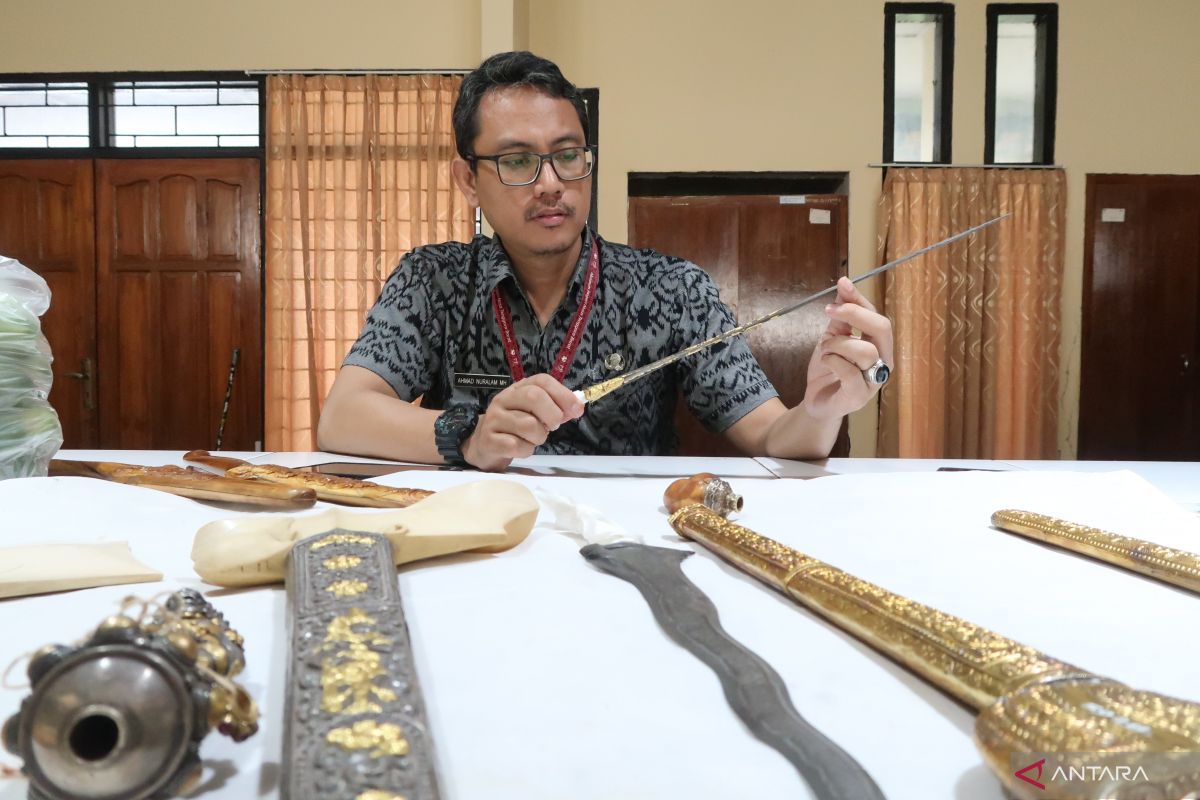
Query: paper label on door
{"points": [[819, 216], [793, 199], [1112, 215]]}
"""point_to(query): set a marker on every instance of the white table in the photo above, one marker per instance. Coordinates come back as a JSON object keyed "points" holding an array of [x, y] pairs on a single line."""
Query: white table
{"points": [[545, 678]]}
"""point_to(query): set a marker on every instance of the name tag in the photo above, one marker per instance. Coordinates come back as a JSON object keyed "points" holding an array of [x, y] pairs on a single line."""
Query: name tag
{"points": [[475, 380]]}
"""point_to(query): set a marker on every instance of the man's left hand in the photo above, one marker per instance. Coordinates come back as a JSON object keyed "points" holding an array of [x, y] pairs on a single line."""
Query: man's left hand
{"points": [[836, 381]]}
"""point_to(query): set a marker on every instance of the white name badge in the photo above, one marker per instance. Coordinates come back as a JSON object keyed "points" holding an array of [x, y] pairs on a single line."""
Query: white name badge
{"points": [[475, 380]]}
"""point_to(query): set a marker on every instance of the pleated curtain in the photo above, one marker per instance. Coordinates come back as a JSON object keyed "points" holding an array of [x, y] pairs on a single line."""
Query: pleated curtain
{"points": [[358, 174]]}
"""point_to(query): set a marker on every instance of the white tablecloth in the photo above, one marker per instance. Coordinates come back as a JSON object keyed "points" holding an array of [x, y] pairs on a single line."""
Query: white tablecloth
{"points": [[545, 678]]}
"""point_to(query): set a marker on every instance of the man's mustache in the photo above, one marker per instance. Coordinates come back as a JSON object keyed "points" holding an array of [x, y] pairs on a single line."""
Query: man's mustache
{"points": [[546, 211]]}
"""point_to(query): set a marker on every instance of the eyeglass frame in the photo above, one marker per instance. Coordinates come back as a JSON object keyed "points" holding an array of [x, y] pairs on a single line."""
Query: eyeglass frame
{"points": [[542, 159]]}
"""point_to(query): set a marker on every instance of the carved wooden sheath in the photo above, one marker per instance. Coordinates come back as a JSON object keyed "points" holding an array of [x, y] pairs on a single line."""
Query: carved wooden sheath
{"points": [[355, 724]]}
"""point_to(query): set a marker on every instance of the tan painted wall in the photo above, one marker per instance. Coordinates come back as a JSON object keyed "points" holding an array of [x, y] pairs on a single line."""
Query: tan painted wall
{"points": [[67, 35], [699, 85]]}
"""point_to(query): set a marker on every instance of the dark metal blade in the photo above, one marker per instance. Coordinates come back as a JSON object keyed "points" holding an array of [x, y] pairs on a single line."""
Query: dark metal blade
{"points": [[753, 688]]}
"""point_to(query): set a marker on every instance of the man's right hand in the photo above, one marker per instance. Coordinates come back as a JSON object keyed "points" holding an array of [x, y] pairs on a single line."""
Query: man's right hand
{"points": [[518, 420]]}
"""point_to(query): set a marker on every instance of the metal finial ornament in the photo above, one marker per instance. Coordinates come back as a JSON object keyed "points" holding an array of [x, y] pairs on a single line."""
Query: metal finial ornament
{"points": [[123, 714], [704, 488]]}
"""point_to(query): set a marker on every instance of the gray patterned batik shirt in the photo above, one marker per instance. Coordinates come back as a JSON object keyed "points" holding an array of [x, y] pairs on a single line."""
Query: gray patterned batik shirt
{"points": [[647, 306]]}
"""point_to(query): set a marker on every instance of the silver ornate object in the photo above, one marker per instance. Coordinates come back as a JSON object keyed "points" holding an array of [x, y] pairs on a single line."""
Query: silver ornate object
{"points": [[355, 718], [122, 715]]}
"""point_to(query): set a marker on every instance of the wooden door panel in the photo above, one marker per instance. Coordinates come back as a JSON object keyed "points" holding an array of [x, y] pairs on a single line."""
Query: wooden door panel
{"points": [[226, 317], [225, 206], [789, 257], [1139, 382], [46, 223], [179, 277], [763, 254], [129, 348]]}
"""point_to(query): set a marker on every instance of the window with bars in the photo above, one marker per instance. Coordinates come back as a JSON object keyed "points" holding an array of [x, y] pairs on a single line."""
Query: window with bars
{"points": [[109, 112], [180, 114], [1022, 83], [918, 73], [44, 115]]}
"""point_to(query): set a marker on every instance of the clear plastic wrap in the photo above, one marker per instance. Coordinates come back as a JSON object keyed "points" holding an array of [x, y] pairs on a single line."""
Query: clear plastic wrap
{"points": [[30, 433]]}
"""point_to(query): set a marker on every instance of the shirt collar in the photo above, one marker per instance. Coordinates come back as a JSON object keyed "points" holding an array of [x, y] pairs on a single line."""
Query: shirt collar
{"points": [[495, 265]]}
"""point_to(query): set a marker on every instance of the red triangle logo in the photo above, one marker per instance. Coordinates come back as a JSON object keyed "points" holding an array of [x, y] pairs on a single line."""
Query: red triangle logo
{"points": [[1035, 765]]}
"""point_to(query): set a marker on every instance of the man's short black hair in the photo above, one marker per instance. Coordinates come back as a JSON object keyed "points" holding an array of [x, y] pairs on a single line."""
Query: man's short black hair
{"points": [[503, 70]]}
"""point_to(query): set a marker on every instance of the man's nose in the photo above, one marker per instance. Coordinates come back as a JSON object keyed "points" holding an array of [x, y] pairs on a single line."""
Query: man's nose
{"points": [[548, 181]]}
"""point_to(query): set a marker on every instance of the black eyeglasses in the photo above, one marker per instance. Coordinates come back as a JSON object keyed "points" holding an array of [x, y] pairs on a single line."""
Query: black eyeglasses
{"points": [[522, 169]]}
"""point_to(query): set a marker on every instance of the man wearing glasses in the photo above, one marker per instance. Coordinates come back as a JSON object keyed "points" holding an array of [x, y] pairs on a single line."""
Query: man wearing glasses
{"points": [[494, 335]]}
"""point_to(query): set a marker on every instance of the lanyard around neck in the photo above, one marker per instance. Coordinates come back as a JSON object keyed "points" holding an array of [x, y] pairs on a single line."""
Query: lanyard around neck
{"points": [[566, 353]]}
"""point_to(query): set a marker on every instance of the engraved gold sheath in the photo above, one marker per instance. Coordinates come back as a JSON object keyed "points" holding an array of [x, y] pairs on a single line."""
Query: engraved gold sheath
{"points": [[1177, 567], [355, 725], [970, 663], [1029, 703]]}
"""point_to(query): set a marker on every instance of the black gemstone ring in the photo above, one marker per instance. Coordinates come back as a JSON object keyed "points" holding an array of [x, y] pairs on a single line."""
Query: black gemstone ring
{"points": [[877, 374]]}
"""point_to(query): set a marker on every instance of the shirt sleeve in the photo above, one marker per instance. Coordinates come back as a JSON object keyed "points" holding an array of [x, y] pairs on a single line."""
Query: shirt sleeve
{"points": [[399, 339], [722, 383]]}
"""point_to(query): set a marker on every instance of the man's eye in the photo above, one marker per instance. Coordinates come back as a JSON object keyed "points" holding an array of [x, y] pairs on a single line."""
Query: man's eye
{"points": [[566, 156], [520, 161]]}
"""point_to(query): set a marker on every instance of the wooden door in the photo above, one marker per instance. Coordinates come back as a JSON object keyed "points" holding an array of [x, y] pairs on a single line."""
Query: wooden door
{"points": [[1139, 380], [46, 223], [763, 252], [178, 291]]}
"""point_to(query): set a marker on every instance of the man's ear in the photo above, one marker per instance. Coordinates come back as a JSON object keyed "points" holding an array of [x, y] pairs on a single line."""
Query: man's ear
{"points": [[465, 177]]}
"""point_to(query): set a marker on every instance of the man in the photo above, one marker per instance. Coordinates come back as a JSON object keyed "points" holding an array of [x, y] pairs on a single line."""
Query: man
{"points": [[494, 335]]}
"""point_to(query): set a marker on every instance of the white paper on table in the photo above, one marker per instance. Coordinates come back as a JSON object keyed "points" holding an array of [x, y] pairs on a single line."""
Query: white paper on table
{"points": [[41, 568]]}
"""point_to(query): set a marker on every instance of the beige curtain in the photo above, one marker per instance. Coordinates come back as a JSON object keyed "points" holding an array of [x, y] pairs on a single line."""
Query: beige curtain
{"points": [[358, 173], [977, 322]]}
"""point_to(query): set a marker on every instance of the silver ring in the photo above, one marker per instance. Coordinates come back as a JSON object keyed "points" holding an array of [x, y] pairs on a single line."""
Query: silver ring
{"points": [[878, 373]]}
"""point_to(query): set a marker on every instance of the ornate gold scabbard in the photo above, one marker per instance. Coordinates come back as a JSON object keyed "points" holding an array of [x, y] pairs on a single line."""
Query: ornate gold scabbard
{"points": [[1029, 704], [1177, 567]]}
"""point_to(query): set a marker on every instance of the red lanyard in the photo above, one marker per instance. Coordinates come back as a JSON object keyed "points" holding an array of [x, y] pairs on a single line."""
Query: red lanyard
{"points": [[566, 353]]}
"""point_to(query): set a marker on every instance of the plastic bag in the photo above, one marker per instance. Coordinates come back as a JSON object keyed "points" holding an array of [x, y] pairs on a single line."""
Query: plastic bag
{"points": [[30, 433], [24, 285]]}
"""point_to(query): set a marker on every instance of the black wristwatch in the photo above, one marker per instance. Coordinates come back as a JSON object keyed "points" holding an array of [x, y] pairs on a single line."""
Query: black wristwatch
{"points": [[452, 428]]}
